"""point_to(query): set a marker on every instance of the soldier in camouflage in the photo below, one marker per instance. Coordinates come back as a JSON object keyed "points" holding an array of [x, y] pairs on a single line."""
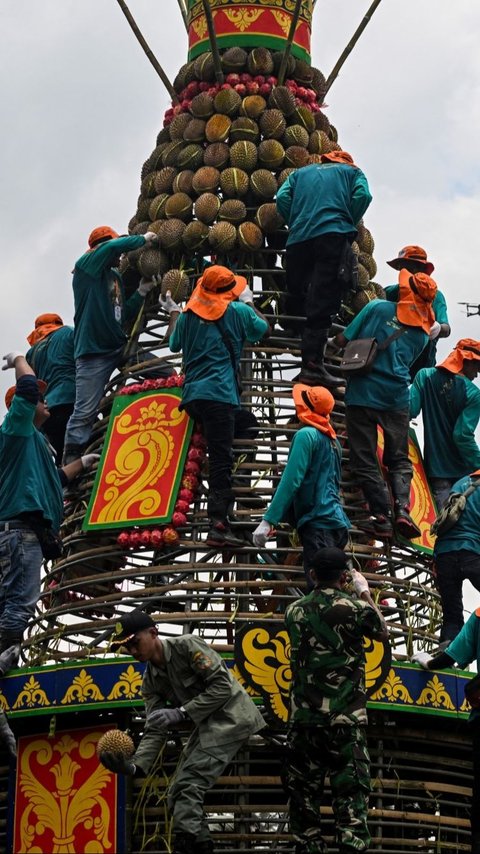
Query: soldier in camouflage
{"points": [[185, 680], [328, 705]]}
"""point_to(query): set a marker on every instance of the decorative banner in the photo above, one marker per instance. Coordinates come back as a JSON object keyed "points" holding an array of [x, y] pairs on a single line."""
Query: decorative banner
{"points": [[422, 505], [140, 470], [262, 658], [65, 800], [250, 23]]}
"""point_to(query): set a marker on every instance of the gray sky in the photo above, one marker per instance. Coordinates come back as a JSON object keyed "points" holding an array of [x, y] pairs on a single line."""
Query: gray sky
{"points": [[81, 107]]}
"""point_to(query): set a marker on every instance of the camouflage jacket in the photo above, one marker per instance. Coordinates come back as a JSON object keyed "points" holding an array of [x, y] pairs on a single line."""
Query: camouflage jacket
{"points": [[326, 630], [196, 677]]}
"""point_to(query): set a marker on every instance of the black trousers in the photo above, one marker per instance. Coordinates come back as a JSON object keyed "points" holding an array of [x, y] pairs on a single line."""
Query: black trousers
{"points": [[314, 538], [362, 424], [452, 569], [475, 813], [56, 426], [313, 285], [218, 424]]}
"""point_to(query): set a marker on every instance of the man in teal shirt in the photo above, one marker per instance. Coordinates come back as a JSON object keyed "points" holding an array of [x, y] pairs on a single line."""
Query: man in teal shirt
{"points": [[381, 399], [450, 406], [309, 489], [322, 205], [101, 311]]}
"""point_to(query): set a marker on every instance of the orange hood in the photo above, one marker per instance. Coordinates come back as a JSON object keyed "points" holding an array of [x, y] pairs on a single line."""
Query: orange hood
{"points": [[466, 348], [44, 325], [214, 292], [338, 157], [414, 307], [314, 405]]}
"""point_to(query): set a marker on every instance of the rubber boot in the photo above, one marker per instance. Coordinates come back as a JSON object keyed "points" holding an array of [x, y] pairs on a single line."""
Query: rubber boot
{"points": [[72, 453], [406, 527], [184, 843], [220, 535], [378, 498], [313, 372]]}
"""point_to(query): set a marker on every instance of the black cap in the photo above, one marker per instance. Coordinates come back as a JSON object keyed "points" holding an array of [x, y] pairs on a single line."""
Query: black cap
{"points": [[129, 625], [330, 560]]}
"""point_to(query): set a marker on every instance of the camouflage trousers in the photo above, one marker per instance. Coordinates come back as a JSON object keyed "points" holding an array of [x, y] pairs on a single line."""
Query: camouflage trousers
{"points": [[341, 752]]}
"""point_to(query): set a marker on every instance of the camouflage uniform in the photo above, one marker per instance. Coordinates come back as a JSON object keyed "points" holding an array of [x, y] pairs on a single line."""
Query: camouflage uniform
{"points": [[328, 717], [195, 676]]}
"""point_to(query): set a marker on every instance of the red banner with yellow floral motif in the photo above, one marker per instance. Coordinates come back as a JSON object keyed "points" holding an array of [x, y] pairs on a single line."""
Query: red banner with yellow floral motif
{"points": [[250, 23], [65, 800], [141, 466], [422, 505]]}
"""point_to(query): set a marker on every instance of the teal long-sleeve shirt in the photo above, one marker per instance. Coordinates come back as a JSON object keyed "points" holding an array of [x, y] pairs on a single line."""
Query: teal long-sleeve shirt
{"points": [[450, 406], [465, 648], [100, 305], [310, 482], [53, 361], [323, 198]]}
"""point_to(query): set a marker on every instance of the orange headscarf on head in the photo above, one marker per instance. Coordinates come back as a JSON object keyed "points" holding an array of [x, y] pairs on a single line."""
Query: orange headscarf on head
{"points": [[414, 307], [214, 291], [338, 157], [44, 324], [466, 348], [314, 405]]}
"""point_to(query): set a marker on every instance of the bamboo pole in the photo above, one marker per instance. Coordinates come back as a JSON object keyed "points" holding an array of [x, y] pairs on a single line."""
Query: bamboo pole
{"points": [[351, 44], [148, 51], [183, 12], [288, 46], [219, 76]]}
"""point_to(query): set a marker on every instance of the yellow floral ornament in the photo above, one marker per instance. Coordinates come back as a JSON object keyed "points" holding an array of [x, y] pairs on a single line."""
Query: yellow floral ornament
{"points": [[128, 685], [436, 695], [82, 689]]}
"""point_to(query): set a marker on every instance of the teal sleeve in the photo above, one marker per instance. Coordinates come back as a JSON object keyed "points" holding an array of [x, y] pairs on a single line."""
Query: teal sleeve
{"points": [[354, 328], [174, 342], [439, 306], [392, 293], [255, 327], [284, 199], [19, 418], [465, 426], [133, 305], [463, 649], [292, 478], [416, 392], [107, 253], [361, 196]]}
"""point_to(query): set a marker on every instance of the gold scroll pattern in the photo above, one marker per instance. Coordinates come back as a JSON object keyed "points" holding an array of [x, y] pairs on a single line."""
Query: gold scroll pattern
{"points": [[82, 689], [128, 686]]}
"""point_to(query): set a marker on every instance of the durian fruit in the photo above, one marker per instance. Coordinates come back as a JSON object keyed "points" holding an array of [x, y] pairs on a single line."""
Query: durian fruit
{"points": [[202, 106], [191, 157], [147, 186], [318, 142], [268, 218], [195, 235], [163, 136], [171, 152], [234, 59], [304, 117], [272, 124], [227, 101], [250, 236], [116, 741], [155, 161], [253, 106], [233, 210], [365, 239], [318, 83], [321, 122], [156, 208], [217, 154], [183, 182], [244, 155], [379, 291], [295, 135], [263, 184], [178, 125], [244, 128], [234, 182], [164, 179], [179, 206], [222, 237], [218, 128], [303, 73], [177, 282], [204, 67], [284, 175], [170, 233], [195, 130], [277, 57], [206, 207], [260, 61], [281, 98], [296, 156], [314, 158], [152, 262], [184, 76], [271, 153], [206, 180], [369, 263], [142, 209], [363, 277]]}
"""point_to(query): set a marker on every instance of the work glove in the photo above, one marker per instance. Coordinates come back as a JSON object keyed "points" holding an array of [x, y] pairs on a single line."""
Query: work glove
{"points": [[435, 330], [10, 359], [167, 303], [332, 345], [150, 236], [146, 286], [421, 658], [246, 295], [166, 717], [360, 583], [7, 736], [262, 533], [88, 460], [9, 659], [117, 762]]}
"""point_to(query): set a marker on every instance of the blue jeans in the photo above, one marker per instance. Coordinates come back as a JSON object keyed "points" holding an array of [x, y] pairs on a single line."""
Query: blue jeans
{"points": [[20, 561], [314, 538], [91, 375]]}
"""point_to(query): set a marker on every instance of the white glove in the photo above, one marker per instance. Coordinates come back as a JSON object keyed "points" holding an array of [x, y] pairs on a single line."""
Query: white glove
{"points": [[435, 330], [88, 460], [421, 658], [246, 295], [168, 304], [262, 533], [150, 236], [146, 286], [10, 359], [332, 345], [360, 583]]}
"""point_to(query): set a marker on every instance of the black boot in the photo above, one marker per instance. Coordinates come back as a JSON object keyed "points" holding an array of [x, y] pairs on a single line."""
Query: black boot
{"points": [[314, 342], [220, 535], [406, 527], [184, 843], [380, 524]]}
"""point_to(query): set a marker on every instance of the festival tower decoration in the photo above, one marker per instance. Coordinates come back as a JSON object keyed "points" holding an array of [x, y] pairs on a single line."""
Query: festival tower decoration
{"points": [[247, 107]]}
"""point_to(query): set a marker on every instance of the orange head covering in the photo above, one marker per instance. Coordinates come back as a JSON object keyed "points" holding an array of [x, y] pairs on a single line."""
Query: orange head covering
{"points": [[101, 233], [412, 253], [214, 291], [42, 387], [314, 405], [338, 157], [466, 348], [44, 324], [414, 307]]}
